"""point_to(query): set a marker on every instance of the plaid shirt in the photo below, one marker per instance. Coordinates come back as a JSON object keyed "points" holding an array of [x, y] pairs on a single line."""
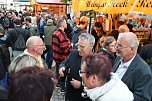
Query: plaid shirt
{"points": [[61, 46]]}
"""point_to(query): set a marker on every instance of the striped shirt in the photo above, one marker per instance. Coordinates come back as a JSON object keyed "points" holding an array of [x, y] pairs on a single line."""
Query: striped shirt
{"points": [[61, 46]]}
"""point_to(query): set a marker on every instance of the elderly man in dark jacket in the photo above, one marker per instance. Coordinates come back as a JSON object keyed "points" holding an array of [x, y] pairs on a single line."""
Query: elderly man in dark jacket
{"points": [[73, 64], [131, 68]]}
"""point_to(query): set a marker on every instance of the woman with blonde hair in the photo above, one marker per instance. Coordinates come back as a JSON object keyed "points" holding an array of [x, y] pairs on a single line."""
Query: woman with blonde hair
{"points": [[22, 61]]}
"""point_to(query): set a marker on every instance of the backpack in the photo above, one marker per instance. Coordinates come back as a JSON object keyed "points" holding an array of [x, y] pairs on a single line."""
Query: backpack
{"points": [[20, 43], [33, 30]]}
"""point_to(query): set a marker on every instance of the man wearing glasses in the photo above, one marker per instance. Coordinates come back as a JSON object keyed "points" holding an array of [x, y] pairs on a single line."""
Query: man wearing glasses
{"points": [[35, 47], [73, 64], [131, 69]]}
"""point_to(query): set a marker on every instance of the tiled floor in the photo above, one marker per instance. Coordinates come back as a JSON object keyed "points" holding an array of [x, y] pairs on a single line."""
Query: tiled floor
{"points": [[57, 96]]}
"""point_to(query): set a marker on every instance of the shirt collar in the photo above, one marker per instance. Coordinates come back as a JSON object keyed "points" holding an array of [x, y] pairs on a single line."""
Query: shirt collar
{"points": [[126, 64]]}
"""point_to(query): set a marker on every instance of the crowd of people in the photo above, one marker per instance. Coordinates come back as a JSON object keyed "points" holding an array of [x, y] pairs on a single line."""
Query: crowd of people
{"points": [[95, 66]]}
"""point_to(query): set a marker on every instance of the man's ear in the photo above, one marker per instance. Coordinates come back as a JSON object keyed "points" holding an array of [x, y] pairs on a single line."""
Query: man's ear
{"points": [[94, 78], [35, 48]]}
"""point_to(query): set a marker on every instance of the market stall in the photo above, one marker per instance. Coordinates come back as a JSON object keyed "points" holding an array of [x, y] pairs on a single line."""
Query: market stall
{"points": [[49, 6], [114, 8]]}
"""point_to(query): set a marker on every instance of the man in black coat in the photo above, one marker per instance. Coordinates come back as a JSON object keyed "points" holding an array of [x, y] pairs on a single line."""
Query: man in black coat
{"points": [[131, 68], [13, 35], [73, 64]]}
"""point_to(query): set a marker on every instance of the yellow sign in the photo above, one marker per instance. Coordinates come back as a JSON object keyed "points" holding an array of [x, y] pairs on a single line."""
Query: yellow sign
{"points": [[113, 6], [32, 2]]}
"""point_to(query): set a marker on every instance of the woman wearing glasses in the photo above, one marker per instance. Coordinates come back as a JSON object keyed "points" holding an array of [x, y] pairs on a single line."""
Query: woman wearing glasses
{"points": [[99, 81]]}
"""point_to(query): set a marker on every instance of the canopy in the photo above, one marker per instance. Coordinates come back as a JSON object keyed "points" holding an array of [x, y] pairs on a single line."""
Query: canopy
{"points": [[46, 1], [49, 1], [113, 6]]}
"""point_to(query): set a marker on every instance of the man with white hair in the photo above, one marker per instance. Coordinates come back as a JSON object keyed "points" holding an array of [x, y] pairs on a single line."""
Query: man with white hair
{"points": [[35, 47], [131, 68]]}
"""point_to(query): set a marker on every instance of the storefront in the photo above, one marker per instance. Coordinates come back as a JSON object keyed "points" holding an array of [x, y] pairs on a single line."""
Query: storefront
{"points": [[50, 7]]}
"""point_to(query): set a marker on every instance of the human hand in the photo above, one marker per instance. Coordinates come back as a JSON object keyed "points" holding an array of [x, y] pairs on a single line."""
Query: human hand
{"points": [[61, 71], [75, 83]]}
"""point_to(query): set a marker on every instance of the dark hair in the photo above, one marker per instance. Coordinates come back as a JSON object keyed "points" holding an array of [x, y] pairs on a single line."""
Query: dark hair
{"points": [[17, 21], [99, 25], [68, 16], [98, 64], [60, 22], [31, 84], [119, 23], [20, 12], [130, 26], [28, 19]]}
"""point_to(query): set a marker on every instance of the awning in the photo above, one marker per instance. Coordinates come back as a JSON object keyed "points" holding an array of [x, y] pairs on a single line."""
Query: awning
{"points": [[49, 1], [32, 2], [113, 6], [23, 0]]}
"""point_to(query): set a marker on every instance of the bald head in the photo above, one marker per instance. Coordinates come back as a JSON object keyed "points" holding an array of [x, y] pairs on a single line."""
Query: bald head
{"points": [[123, 28], [32, 41]]}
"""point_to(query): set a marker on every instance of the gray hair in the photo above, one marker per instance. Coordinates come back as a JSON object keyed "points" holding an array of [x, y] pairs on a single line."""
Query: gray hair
{"points": [[89, 37], [22, 61], [131, 37]]}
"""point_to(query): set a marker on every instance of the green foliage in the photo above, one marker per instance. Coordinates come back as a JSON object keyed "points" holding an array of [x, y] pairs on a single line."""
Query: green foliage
{"points": [[90, 13], [65, 1]]}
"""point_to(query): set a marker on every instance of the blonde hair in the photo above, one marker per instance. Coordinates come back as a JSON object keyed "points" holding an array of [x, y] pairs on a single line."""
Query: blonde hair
{"points": [[84, 19], [22, 61]]}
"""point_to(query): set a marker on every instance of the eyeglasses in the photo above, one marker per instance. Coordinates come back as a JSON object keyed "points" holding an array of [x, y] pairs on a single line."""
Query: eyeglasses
{"points": [[119, 46], [41, 45], [81, 72], [81, 47]]}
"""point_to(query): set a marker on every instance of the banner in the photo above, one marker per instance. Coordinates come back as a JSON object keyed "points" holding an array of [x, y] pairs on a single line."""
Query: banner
{"points": [[113, 6]]}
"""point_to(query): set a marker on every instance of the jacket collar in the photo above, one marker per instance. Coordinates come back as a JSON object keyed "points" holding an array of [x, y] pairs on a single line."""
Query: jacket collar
{"points": [[130, 69]]}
